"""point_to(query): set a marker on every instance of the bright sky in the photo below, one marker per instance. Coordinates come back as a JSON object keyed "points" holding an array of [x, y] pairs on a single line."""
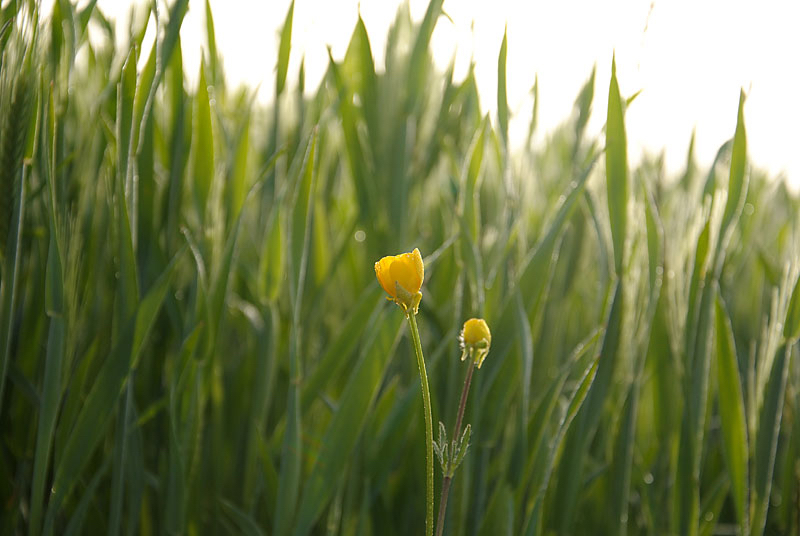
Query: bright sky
{"points": [[689, 58]]}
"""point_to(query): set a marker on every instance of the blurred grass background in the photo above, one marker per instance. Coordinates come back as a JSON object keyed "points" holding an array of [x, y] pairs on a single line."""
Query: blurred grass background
{"points": [[192, 339]]}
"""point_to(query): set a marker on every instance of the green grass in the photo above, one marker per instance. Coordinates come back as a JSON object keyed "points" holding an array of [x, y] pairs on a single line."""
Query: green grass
{"points": [[192, 339]]}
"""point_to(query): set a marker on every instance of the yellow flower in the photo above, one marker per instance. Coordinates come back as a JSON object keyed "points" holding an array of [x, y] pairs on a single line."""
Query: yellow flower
{"points": [[476, 339], [401, 277]]}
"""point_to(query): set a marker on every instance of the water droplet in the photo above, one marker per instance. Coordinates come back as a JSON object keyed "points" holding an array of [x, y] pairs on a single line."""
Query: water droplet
{"points": [[360, 236], [648, 478]]}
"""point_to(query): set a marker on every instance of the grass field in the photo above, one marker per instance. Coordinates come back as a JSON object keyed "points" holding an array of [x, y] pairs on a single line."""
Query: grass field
{"points": [[193, 339]]}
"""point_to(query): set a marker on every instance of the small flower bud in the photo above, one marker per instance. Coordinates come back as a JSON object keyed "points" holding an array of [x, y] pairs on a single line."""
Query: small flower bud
{"points": [[476, 339]]}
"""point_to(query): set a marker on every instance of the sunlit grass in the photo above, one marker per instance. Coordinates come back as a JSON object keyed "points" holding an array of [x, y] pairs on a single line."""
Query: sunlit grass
{"points": [[192, 338]]}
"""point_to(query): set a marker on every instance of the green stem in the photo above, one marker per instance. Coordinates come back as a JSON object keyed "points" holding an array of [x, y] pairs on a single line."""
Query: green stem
{"points": [[426, 403], [456, 437]]}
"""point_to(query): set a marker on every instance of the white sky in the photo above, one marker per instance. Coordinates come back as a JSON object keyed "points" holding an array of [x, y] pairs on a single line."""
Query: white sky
{"points": [[689, 58]]}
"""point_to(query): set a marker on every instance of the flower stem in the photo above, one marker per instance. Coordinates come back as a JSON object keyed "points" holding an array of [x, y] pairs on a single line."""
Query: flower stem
{"points": [[426, 403], [456, 433]]}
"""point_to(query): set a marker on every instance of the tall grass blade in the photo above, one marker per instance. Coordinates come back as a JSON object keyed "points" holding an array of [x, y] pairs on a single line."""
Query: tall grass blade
{"points": [[202, 146], [769, 423], [577, 442], [731, 409], [284, 47], [343, 431], [616, 170], [502, 99], [18, 87], [102, 398]]}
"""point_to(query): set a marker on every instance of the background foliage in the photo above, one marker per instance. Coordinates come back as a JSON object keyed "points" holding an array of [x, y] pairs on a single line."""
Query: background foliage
{"points": [[192, 339]]}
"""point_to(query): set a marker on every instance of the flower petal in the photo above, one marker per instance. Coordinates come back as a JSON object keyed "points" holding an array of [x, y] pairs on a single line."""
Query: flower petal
{"points": [[419, 266], [403, 270], [383, 273]]}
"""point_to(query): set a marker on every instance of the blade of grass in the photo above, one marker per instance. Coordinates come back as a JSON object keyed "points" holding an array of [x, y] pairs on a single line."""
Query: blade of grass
{"points": [[101, 399], [291, 449], [766, 440], [56, 347], [616, 170], [502, 99], [577, 442], [418, 60], [731, 410], [211, 41], [348, 421], [284, 47], [16, 149], [737, 185], [557, 448], [337, 354], [203, 146]]}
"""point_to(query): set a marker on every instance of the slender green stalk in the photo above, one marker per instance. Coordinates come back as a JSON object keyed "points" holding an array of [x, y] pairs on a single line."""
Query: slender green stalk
{"points": [[456, 434], [426, 403]]}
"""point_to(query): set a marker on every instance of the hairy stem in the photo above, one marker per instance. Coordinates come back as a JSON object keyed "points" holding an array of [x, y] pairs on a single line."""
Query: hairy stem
{"points": [[426, 403], [456, 432]]}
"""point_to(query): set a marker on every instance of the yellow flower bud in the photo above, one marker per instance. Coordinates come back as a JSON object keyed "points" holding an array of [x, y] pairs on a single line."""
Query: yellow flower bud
{"points": [[401, 277], [476, 329], [476, 339]]}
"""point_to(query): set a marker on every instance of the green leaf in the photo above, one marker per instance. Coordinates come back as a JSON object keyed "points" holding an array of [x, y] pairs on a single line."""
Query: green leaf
{"points": [[616, 170], [471, 174], [337, 354], [11, 258], [499, 517], [622, 462], [731, 411], [211, 41], [693, 424], [244, 522], [284, 48], [559, 449], [300, 227], [347, 423], [76, 522], [237, 182], [577, 443], [791, 328], [419, 60], [502, 99], [51, 387], [768, 428], [126, 92], [102, 398], [203, 146], [172, 32], [655, 241], [737, 184]]}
